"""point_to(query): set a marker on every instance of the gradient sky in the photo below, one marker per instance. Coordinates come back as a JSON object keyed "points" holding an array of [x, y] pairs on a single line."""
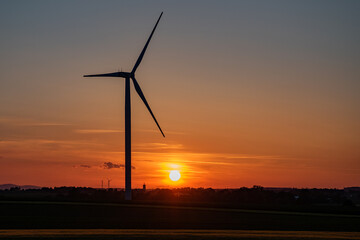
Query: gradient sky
{"points": [[247, 92]]}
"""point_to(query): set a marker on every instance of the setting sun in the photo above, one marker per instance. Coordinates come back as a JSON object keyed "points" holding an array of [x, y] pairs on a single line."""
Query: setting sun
{"points": [[174, 175]]}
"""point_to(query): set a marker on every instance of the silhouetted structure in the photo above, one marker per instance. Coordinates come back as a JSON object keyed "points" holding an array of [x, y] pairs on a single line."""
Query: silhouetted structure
{"points": [[128, 76]]}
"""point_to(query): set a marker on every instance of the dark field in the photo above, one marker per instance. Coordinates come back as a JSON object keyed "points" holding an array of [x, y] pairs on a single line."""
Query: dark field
{"points": [[112, 234], [46, 215]]}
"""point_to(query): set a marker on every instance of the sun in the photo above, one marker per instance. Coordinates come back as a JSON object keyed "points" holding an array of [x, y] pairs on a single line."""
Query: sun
{"points": [[174, 175]]}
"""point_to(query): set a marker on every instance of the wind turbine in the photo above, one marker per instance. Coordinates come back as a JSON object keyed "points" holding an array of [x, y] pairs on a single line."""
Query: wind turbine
{"points": [[128, 76]]}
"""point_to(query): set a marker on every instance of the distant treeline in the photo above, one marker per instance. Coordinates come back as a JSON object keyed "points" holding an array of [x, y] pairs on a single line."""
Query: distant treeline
{"points": [[255, 197]]}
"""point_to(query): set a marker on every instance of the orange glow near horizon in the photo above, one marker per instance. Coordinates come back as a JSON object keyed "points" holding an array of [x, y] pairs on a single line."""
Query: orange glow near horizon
{"points": [[81, 163]]}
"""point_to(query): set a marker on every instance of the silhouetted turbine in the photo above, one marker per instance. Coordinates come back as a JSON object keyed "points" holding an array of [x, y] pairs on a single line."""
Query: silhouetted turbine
{"points": [[128, 76]]}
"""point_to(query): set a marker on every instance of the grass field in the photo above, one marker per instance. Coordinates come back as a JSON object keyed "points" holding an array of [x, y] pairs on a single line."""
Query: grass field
{"points": [[66, 220], [65, 215], [109, 234]]}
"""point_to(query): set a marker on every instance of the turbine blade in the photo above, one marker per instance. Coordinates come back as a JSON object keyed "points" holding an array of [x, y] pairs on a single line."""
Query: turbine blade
{"points": [[145, 47], [141, 95], [115, 74]]}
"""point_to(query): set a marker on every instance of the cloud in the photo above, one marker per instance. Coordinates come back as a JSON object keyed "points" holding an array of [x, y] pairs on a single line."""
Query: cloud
{"points": [[85, 166], [29, 122], [97, 131], [44, 144], [159, 146], [157, 131], [82, 166], [45, 124], [110, 165]]}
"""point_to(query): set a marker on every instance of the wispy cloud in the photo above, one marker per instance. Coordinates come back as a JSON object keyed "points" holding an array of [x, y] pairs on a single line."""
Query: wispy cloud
{"points": [[110, 165], [43, 142], [216, 161], [45, 124], [159, 146], [29, 122], [82, 166], [157, 131], [85, 166], [97, 131]]}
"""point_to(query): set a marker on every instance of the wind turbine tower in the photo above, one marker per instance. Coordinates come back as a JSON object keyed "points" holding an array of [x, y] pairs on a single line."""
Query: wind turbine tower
{"points": [[128, 76]]}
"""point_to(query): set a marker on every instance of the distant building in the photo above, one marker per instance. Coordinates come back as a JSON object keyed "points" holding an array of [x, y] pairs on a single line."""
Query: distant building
{"points": [[144, 187]]}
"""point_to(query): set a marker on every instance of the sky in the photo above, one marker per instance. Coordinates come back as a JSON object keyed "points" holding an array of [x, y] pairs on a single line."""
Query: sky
{"points": [[247, 93]]}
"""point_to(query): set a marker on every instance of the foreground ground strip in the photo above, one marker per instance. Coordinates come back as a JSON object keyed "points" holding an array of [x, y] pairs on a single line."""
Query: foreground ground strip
{"points": [[17, 217], [169, 234], [184, 208]]}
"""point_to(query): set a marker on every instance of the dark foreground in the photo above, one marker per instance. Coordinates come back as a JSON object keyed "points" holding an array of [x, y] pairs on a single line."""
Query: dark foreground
{"points": [[111, 234], [51, 215]]}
